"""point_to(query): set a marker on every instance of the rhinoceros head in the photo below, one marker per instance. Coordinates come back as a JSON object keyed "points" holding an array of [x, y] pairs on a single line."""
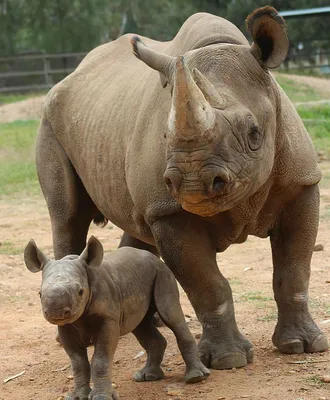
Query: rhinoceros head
{"points": [[64, 290], [221, 133]]}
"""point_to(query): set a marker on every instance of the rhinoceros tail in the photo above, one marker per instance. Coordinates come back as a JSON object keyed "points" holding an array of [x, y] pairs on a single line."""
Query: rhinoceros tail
{"points": [[100, 220], [134, 42]]}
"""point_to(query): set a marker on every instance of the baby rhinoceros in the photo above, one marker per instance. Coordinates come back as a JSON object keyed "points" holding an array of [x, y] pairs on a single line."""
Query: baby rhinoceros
{"points": [[98, 300]]}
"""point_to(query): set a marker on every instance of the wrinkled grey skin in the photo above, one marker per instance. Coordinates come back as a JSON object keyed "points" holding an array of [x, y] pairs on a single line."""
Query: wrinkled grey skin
{"points": [[190, 147], [94, 300]]}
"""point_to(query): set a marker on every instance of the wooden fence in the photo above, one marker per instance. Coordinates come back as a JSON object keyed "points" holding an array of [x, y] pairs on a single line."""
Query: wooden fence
{"points": [[33, 72]]}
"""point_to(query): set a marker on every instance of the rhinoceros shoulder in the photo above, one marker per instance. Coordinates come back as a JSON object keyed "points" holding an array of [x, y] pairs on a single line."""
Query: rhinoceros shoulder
{"points": [[296, 162]]}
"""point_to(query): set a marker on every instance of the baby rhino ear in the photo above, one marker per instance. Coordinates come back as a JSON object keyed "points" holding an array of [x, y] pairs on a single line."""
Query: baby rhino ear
{"points": [[35, 260], [93, 253]]}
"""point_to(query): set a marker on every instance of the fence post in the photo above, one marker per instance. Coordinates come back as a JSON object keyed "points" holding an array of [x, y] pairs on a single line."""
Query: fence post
{"points": [[48, 76]]}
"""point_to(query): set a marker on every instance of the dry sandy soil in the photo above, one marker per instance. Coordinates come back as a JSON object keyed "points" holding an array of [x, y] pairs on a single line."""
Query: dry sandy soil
{"points": [[321, 85], [27, 341], [24, 110], [32, 108]]}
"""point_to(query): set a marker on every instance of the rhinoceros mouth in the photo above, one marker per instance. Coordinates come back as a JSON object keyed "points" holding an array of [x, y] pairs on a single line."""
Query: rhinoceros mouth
{"points": [[62, 321], [214, 205], [205, 208]]}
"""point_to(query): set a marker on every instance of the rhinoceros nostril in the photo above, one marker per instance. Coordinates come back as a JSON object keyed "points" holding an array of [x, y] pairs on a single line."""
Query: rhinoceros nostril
{"points": [[168, 183], [66, 313], [173, 182], [46, 313], [218, 184]]}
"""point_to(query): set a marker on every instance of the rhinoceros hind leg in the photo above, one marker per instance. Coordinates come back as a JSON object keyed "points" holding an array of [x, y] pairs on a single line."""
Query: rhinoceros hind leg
{"points": [[293, 241], [167, 301], [155, 344], [310, 340]]}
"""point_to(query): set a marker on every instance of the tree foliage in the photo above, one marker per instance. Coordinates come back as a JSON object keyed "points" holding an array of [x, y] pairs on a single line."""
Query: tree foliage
{"points": [[79, 25]]}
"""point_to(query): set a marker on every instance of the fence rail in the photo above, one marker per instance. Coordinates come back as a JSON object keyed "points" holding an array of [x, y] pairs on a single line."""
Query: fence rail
{"points": [[36, 71]]}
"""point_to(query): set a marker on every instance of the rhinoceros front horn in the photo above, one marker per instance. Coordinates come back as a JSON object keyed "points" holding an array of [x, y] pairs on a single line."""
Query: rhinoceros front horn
{"points": [[191, 114]]}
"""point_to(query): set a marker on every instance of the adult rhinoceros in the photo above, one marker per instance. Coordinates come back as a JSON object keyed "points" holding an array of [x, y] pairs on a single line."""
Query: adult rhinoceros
{"points": [[187, 161]]}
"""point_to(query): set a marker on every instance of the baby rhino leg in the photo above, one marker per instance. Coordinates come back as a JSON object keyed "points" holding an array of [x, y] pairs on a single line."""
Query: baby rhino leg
{"points": [[166, 295], [155, 344]]}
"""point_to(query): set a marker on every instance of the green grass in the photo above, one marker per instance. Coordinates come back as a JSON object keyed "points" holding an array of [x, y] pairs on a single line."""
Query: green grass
{"points": [[16, 299], [9, 248], [316, 118], [297, 91], [17, 159], [234, 281], [13, 98], [314, 381], [269, 317], [254, 296], [317, 122], [17, 141]]}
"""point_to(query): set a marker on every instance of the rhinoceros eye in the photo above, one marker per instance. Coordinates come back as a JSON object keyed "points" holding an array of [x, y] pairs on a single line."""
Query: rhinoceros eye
{"points": [[254, 138], [81, 292], [39, 293]]}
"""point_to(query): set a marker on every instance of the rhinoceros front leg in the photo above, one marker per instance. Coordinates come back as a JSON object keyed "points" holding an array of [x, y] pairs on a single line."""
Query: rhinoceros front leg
{"points": [[292, 246], [77, 351], [188, 250], [106, 341]]}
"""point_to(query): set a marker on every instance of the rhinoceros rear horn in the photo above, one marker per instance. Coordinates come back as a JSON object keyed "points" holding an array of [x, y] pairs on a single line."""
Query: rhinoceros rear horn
{"points": [[270, 42], [191, 114], [209, 91], [160, 62]]}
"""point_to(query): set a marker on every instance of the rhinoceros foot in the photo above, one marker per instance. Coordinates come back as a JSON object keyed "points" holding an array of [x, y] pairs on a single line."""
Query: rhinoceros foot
{"points": [[96, 395], [225, 353], [148, 373], [196, 373], [297, 338], [79, 395]]}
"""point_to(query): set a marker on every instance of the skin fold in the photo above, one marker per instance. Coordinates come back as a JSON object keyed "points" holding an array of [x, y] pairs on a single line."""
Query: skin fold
{"points": [[97, 300], [190, 146]]}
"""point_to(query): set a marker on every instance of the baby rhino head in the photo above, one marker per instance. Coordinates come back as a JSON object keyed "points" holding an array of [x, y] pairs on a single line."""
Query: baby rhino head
{"points": [[64, 290]]}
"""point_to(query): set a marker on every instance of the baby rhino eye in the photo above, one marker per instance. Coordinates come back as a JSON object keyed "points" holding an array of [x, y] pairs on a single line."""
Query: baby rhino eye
{"points": [[81, 292]]}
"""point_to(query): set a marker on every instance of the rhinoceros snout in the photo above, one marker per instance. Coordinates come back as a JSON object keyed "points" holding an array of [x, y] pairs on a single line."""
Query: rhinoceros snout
{"points": [[58, 314], [197, 186]]}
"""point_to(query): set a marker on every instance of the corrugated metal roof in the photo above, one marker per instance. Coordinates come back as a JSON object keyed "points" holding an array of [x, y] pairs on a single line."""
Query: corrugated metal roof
{"points": [[305, 12]]}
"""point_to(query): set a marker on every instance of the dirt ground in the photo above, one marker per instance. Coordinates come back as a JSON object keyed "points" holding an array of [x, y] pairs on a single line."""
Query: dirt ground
{"points": [[27, 341], [24, 110], [32, 108], [319, 84]]}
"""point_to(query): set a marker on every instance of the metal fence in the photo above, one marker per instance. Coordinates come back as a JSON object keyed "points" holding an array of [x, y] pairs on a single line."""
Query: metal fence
{"points": [[314, 61], [36, 71]]}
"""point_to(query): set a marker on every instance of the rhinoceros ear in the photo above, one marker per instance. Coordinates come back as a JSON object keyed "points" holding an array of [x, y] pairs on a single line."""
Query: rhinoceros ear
{"points": [[34, 259], [271, 44], [93, 253], [160, 62]]}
